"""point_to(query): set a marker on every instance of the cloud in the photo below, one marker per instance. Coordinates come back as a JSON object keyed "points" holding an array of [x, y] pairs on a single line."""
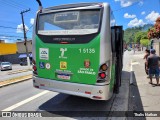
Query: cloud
{"points": [[3, 37], [126, 3], [32, 21], [20, 28], [135, 23], [152, 16], [126, 15], [142, 13]]}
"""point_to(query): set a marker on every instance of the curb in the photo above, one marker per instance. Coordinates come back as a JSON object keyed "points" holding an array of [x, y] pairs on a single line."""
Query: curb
{"points": [[21, 80]]}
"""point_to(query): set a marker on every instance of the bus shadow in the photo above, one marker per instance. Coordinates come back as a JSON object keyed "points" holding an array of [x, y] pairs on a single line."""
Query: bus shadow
{"points": [[74, 106], [135, 103]]}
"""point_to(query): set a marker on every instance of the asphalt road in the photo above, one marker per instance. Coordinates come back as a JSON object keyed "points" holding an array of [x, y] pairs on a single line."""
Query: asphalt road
{"points": [[24, 97]]}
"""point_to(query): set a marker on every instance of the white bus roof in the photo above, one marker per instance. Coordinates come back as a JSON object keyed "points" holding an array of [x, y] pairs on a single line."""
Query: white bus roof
{"points": [[75, 5]]}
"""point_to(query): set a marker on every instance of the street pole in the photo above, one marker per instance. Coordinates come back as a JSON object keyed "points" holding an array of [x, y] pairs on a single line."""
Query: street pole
{"points": [[25, 38]]}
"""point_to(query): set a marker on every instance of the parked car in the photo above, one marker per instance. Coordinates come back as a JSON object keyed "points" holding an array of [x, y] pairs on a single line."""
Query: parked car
{"points": [[5, 66]]}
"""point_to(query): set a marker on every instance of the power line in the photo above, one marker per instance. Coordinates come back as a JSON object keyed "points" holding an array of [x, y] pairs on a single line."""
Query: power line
{"points": [[9, 4], [7, 27], [18, 4], [14, 28], [8, 22], [13, 4]]}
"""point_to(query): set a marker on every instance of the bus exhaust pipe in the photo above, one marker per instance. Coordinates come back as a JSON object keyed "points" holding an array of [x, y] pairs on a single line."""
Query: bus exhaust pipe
{"points": [[40, 5]]}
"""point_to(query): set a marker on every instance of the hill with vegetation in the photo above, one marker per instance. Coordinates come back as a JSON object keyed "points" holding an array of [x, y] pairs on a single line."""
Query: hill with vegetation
{"points": [[135, 34]]}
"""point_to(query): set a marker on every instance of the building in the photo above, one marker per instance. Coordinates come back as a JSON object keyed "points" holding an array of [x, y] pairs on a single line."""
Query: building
{"points": [[2, 41], [21, 48], [12, 52], [8, 48]]}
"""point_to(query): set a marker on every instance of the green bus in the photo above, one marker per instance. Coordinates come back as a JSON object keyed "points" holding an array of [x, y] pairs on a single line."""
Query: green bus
{"points": [[77, 50]]}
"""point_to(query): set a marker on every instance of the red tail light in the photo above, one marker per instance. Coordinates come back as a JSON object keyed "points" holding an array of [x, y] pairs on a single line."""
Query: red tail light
{"points": [[64, 42], [34, 67], [102, 75]]}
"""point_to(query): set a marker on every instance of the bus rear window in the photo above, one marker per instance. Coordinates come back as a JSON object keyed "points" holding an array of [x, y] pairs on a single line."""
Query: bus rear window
{"points": [[69, 23]]}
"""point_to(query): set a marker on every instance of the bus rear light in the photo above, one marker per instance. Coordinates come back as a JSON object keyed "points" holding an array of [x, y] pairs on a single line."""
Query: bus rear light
{"points": [[104, 67], [102, 75], [97, 97], [42, 84], [63, 42], [34, 68], [86, 92]]}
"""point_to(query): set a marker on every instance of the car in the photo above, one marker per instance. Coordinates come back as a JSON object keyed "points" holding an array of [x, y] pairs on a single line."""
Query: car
{"points": [[5, 66]]}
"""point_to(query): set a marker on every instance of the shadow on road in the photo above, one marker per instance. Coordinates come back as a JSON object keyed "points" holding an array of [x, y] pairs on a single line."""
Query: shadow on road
{"points": [[135, 103], [74, 106]]}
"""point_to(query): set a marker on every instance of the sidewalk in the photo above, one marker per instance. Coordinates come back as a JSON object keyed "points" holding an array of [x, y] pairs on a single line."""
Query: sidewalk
{"points": [[145, 97]]}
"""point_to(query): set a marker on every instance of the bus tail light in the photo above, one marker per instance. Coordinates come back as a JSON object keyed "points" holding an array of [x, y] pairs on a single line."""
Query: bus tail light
{"points": [[103, 73], [86, 92], [97, 97], [34, 67], [104, 67]]}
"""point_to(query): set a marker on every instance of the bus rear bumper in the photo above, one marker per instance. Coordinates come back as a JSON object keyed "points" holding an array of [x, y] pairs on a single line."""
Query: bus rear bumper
{"points": [[83, 90]]}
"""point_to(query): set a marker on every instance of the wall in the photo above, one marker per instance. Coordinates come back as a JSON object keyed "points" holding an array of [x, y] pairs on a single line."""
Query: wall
{"points": [[157, 48], [21, 48], [8, 48]]}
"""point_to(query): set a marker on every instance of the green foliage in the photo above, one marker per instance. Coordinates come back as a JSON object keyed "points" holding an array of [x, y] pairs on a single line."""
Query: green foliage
{"points": [[140, 35], [135, 34], [144, 42]]}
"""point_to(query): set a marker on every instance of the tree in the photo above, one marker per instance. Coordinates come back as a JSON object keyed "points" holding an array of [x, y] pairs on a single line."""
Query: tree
{"points": [[144, 42], [140, 35], [155, 31]]}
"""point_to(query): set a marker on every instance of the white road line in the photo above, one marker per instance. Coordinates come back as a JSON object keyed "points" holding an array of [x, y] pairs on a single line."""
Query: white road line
{"points": [[131, 70], [25, 101], [131, 74]]}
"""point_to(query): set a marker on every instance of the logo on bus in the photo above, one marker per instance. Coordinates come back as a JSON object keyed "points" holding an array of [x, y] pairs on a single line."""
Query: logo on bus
{"points": [[62, 52], [44, 53], [63, 65], [87, 63], [41, 65], [48, 66]]}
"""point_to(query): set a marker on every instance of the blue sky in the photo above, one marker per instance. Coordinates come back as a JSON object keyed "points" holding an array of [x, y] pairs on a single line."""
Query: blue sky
{"points": [[129, 13]]}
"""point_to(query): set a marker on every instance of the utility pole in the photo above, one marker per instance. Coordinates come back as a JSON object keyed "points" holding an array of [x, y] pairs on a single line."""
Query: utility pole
{"points": [[25, 38]]}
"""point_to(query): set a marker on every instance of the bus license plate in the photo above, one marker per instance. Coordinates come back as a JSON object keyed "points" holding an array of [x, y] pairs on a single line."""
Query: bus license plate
{"points": [[64, 77]]}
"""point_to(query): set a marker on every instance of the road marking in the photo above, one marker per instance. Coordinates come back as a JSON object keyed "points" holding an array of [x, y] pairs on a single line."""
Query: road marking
{"points": [[135, 63], [25, 101], [131, 73]]}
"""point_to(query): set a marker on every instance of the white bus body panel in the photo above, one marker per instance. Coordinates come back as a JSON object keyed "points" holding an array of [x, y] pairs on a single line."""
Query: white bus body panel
{"points": [[105, 36], [74, 88]]}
